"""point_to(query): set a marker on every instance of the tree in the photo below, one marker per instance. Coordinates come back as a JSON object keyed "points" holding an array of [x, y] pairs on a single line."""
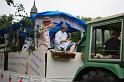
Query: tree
{"points": [[19, 8], [88, 18], [6, 21], [97, 18], [85, 18], [9, 2]]}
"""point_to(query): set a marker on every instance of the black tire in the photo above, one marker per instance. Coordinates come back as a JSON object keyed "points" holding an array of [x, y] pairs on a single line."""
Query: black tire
{"points": [[98, 75]]}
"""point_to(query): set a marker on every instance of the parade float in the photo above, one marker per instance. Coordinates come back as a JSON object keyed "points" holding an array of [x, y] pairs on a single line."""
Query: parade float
{"points": [[30, 61]]}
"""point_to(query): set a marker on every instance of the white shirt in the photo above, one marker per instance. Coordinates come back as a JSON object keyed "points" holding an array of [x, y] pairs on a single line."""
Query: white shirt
{"points": [[59, 36]]}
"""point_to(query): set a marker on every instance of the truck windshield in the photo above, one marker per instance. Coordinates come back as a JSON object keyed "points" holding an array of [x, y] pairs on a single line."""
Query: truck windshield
{"points": [[106, 41]]}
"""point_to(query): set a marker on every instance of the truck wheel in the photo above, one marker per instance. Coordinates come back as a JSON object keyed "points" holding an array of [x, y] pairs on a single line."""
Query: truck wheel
{"points": [[98, 76]]}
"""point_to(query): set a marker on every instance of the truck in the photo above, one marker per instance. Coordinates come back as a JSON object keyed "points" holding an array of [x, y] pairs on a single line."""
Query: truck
{"points": [[101, 64]]}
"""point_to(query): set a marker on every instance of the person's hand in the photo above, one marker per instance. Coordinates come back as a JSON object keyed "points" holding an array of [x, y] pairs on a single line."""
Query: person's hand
{"points": [[41, 29], [64, 41], [51, 25]]}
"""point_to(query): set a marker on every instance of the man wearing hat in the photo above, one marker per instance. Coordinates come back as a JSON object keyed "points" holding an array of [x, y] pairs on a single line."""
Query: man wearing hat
{"points": [[44, 34], [44, 42]]}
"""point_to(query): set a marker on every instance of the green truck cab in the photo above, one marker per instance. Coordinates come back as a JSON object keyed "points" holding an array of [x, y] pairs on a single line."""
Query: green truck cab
{"points": [[100, 63]]}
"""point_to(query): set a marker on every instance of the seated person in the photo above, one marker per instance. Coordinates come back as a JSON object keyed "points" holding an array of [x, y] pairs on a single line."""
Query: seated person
{"points": [[112, 45], [71, 46], [62, 40]]}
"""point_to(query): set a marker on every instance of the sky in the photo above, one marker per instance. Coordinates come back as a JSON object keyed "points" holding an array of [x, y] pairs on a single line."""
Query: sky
{"points": [[85, 8]]}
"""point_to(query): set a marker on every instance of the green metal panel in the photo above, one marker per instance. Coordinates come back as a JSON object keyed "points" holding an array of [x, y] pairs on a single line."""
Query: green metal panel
{"points": [[123, 40], [81, 45], [88, 38]]}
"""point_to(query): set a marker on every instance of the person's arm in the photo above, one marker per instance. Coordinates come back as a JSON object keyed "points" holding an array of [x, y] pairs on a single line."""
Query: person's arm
{"points": [[64, 40], [42, 29], [51, 25]]}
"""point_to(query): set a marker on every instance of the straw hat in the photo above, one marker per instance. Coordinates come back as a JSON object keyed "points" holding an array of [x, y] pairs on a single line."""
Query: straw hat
{"points": [[46, 19]]}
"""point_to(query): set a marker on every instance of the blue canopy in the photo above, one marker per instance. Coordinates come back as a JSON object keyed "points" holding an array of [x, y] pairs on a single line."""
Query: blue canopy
{"points": [[61, 14], [16, 26]]}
